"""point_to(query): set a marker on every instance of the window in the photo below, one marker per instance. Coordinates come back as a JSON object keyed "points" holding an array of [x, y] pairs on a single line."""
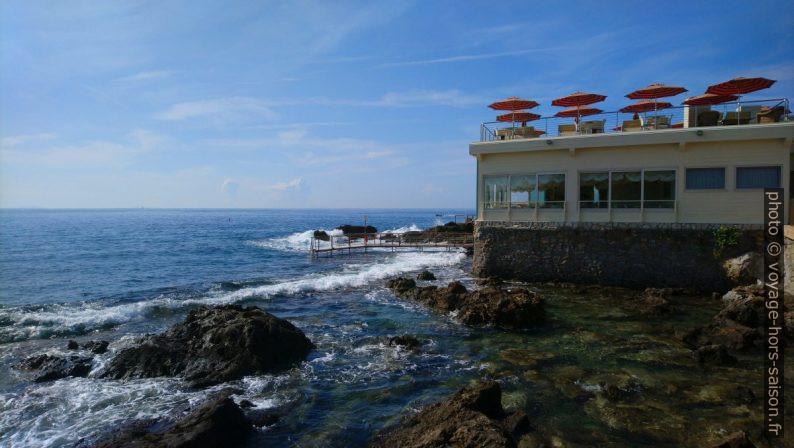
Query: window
{"points": [[496, 191], [522, 189], [758, 177], [594, 190], [659, 189], [705, 178], [626, 189], [551, 190]]}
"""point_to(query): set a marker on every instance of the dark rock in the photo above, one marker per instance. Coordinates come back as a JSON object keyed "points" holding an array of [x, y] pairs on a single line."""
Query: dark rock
{"points": [[490, 281], [262, 417], [471, 418], [499, 307], [214, 345], [407, 341], [455, 227], [347, 229], [714, 354], [425, 275], [49, 367], [72, 345], [321, 235], [401, 284], [726, 333], [742, 394], [246, 404], [736, 440], [613, 392], [653, 301], [218, 422], [744, 305], [97, 347]]}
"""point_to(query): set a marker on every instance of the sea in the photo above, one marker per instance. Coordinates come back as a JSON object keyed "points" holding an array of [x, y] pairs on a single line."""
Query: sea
{"points": [[118, 274]]}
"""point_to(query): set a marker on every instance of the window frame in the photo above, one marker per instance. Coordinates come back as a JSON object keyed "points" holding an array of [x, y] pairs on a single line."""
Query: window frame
{"points": [[532, 205], [697, 190], [736, 168], [642, 171]]}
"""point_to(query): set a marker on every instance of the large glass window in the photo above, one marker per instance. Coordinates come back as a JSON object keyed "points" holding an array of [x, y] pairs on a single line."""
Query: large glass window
{"points": [[522, 189], [659, 189], [594, 190], [626, 189], [551, 190], [496, 191], [705, 178], [758, 177]]}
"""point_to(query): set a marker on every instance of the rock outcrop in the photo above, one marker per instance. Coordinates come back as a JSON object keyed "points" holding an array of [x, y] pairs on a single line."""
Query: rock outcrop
{"points": [[406, 341], [214, 345], [426, 276], [509, 308], [473, 417], [744, 269], [52, 367], [348, 229], [218, 422]]}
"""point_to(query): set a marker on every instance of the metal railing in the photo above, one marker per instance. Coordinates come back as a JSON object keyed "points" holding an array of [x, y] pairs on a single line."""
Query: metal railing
{"points": [[415, 239], [726, 114]]}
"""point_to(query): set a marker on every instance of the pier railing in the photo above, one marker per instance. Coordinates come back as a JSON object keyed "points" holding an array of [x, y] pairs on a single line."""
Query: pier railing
{"points": [[394, 241]]}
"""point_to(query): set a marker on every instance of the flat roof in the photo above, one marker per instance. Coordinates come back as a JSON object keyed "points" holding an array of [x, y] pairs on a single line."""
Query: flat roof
{"points": [[766, 131]]}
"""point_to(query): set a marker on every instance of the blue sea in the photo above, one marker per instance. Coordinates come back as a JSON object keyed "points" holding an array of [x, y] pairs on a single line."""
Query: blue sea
{"points": [[118, 274]]}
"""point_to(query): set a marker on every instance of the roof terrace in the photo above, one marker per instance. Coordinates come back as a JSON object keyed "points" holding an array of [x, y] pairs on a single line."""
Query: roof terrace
{"points": [[734, 114]]}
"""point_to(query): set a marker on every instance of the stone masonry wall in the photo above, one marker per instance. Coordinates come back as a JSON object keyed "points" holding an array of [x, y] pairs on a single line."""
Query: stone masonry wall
{"points": [[618, 254]]}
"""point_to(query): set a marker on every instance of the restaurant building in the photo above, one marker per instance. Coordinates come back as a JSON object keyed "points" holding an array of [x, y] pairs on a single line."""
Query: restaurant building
{"points": [[651, 206]]}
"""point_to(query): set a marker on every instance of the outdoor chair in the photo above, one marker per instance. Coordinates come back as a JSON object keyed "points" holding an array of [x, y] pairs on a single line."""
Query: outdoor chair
{"points": [[632, 126], [659, 122], [733, 118], [708, 118], [567, 129], [593, 127]]}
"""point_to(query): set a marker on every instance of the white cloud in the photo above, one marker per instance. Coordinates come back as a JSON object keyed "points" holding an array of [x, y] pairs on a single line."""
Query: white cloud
{"points": [[230, 187], [219, 109], [471, 57], [294, 184], [146, 76], [16, 140], [417, 98]]}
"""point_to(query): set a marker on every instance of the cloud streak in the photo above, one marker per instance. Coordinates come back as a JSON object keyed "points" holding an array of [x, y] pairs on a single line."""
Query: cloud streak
{"points": [[218, 109]]}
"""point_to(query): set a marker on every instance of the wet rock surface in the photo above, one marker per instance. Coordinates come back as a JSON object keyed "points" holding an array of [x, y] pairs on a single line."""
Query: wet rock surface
{"points": [[214, 345], [473, 417], [51, 367], [407, 341], [510, 308], [425, 275], [714, 354], [348, 229], [217, 422]]}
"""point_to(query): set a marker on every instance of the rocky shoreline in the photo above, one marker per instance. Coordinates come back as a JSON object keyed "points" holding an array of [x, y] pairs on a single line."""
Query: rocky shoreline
{"points": [[225, 343]]}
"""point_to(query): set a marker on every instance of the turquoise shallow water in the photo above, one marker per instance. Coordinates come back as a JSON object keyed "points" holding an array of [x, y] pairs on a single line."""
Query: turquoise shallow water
{"points": [[117, 274]]}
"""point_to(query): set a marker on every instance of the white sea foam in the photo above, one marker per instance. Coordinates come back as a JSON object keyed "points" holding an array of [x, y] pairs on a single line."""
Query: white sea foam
{"points": [[44, 321], [301, 241]]}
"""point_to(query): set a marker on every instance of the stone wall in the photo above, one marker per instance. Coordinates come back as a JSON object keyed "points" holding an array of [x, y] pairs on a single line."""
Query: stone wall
{"points": [[619, 254]]}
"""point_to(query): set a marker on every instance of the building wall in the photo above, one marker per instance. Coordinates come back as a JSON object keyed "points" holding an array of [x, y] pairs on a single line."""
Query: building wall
{"points": [[731, 205], [630, 255]]}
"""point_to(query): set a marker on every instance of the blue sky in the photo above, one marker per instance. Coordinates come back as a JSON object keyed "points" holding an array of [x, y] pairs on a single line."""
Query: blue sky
{"points": [[326, 104]]}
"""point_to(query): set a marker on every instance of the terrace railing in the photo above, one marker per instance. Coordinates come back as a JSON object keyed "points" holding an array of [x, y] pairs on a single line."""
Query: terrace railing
{"points": [[726, 114]]}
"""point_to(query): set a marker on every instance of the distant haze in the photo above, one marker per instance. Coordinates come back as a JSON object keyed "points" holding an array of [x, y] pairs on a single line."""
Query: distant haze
{"points": [[327, 104]]}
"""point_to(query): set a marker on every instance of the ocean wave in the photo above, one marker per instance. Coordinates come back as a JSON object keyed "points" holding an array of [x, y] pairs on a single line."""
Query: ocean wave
{"points": [[301, 241], [61, 320]]}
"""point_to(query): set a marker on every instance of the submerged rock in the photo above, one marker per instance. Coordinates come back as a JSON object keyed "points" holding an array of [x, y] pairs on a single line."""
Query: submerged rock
{"points": [[727, 333], [473, 417], [714, 354], [97, 347], [425, 275], [218, 422], [407, 341], [504, 308], [652, 301], [214, 345], [50, 367]]}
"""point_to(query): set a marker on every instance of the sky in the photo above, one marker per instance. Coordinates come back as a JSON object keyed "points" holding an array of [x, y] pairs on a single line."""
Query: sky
{"points": [[327, 104]]}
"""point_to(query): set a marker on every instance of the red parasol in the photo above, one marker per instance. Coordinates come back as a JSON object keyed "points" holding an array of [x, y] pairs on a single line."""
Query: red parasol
{"points": [[709, 99], [740, 86], [578, 112], [513, 103], [655, 91], [578, 99], [518, 116], [646, 106]]}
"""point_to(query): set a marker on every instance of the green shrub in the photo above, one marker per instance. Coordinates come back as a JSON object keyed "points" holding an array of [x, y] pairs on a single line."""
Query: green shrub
{"points": [[725, 236]]}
